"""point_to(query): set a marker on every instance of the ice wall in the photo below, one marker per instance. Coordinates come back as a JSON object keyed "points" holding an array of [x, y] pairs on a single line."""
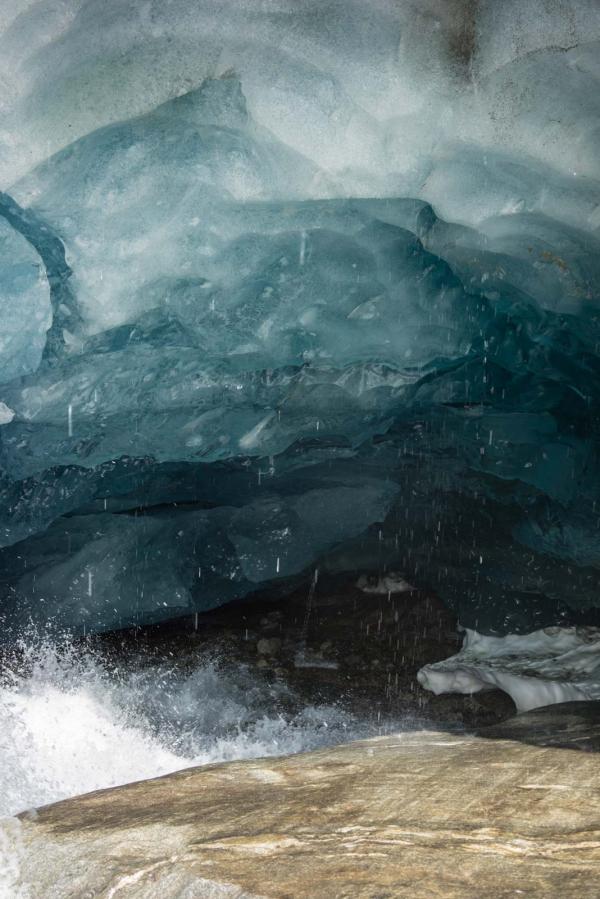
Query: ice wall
{"points": [[294, 286]]}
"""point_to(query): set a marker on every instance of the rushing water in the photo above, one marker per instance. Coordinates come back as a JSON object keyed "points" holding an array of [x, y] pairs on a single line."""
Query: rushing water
{"points": [[71, 722]]}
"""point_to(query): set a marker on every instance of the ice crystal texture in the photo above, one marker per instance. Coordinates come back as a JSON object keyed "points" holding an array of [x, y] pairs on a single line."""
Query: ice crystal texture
{"points": [[295, 286]]}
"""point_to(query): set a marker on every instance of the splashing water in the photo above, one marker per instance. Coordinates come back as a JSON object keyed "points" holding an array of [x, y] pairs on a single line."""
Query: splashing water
{"points": [[70, 723]]}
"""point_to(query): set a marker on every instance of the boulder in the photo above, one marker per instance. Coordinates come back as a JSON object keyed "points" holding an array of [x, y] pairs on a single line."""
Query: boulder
{"points": [[416, 814]]}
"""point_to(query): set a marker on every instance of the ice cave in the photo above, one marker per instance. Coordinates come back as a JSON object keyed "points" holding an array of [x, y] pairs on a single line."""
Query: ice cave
{"points": [[299, 419]]}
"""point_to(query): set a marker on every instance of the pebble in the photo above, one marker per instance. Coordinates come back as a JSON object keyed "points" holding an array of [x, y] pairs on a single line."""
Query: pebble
{"points": [[353, 660], [268, 646]]}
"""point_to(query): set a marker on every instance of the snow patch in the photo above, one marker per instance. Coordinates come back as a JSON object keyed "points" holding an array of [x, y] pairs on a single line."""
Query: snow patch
{"points": [[541, 668], [387, 583]]}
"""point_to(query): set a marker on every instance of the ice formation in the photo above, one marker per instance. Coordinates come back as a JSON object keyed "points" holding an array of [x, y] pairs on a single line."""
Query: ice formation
{"points": [[548, 666], [290, 286]]}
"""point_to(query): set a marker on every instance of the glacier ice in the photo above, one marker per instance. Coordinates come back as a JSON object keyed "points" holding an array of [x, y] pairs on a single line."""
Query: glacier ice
{"points": [[270, 306], [542, 668], [25, 315], [125, 569]]}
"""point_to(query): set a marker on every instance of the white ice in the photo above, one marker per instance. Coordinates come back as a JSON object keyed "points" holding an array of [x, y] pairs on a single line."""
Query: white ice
{"points": [[519, 77], [392, 582], [537, 669]]}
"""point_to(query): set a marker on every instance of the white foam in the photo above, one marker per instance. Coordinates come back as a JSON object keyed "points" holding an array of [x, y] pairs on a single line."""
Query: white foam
{"points": [[542, 668], [11, 853], [72, 725]]}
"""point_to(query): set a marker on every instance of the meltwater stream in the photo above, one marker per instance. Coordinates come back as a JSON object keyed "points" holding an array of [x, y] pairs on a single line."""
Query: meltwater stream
{"points": [[71, 722]]}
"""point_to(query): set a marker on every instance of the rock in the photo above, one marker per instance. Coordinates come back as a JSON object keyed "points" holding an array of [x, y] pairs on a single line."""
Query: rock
{"points": [[353, 660], [415, 815], [269, 646], [567, 725], [262, 663], [272, 620]]}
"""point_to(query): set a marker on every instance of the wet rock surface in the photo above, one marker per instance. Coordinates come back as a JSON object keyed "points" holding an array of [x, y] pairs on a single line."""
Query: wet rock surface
{"points": [[567, 725], [422, 814]]}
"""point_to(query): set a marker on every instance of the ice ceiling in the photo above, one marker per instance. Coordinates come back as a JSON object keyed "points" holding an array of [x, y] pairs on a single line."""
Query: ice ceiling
{"points": [[296, 285]]}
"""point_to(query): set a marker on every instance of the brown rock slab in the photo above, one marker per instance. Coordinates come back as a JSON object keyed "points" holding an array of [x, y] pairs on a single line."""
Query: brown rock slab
{"points": [[421, 814]]}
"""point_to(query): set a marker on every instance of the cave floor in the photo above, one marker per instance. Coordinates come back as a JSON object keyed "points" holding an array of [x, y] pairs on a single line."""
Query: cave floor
{"points": [[332, 644]]}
